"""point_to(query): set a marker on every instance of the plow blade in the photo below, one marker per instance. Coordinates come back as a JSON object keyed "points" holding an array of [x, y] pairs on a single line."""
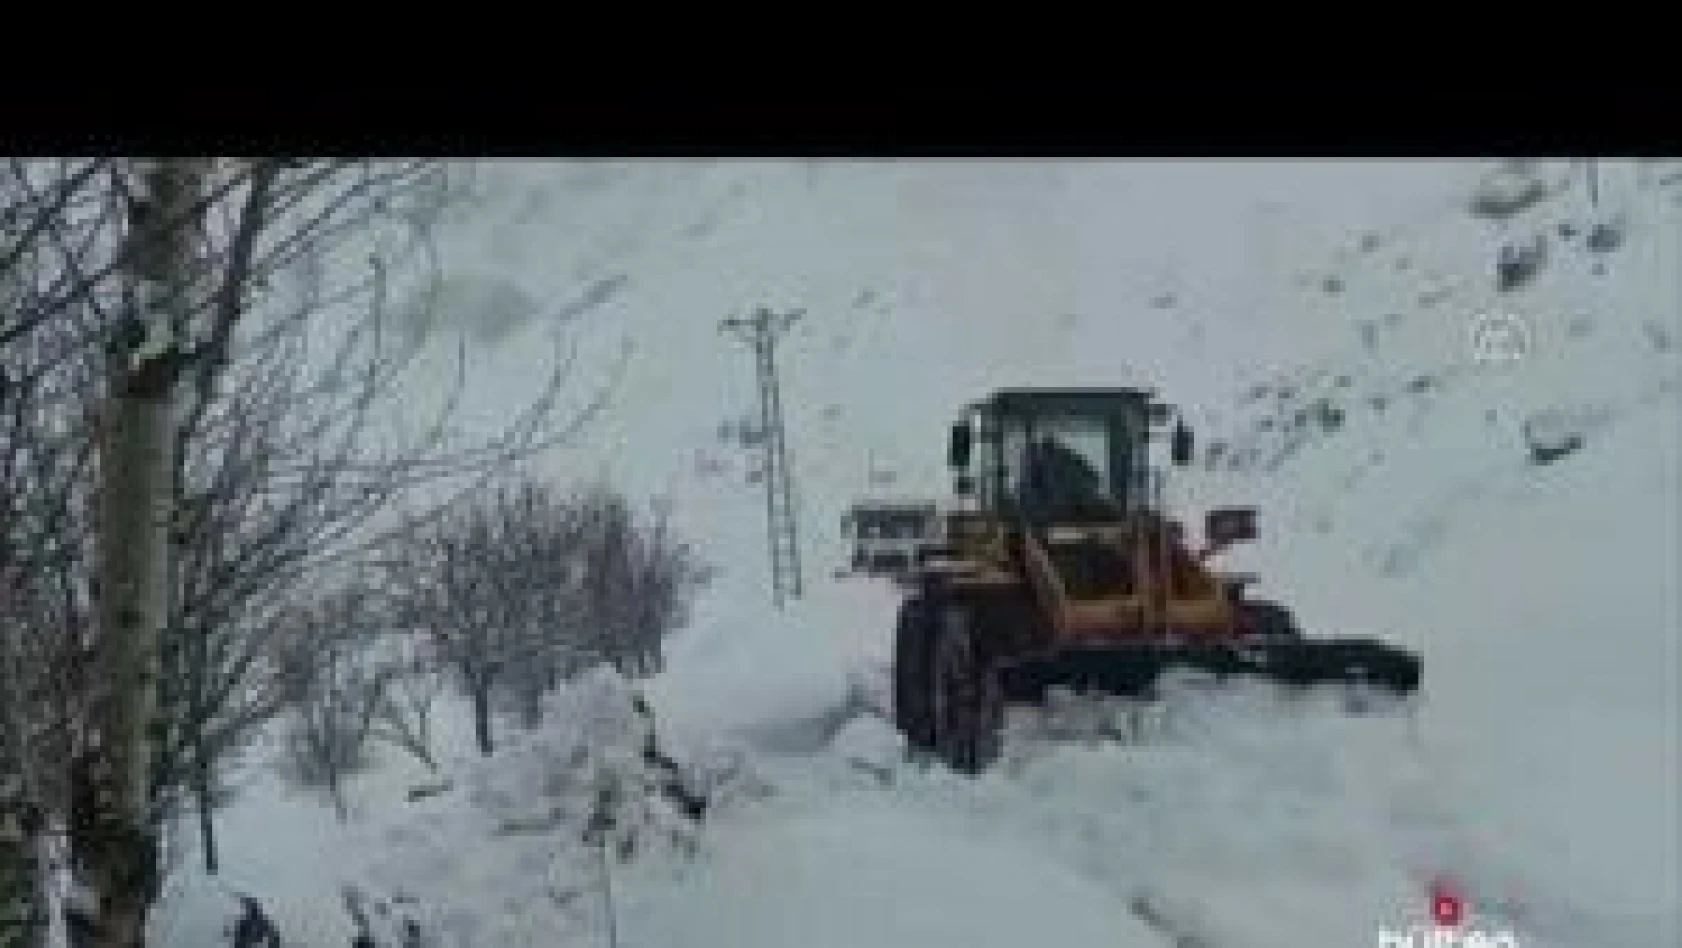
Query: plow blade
{"points": [[1133, 669]]}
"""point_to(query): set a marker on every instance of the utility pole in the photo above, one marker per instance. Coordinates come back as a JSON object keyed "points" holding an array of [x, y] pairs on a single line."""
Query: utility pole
{"points": [[761, 332]]}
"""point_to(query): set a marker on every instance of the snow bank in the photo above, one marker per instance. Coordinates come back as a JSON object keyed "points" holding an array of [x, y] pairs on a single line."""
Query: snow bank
{"points": [[1240, 819], [507, 857], [778, 681], [1553, 667], [874, 874]]}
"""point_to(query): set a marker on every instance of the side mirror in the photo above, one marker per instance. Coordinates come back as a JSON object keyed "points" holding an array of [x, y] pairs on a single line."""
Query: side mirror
{"points": [[1225, 526], [1180, 449], [958, 449]]}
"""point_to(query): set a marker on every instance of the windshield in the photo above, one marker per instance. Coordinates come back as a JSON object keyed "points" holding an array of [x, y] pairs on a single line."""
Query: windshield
{"points": [[1074, 449]]}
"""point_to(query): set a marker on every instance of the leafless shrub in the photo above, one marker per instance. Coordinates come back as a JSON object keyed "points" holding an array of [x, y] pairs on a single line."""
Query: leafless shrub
{"points": [[334, 687], [639, 581], [527, 586], [405, 714]]}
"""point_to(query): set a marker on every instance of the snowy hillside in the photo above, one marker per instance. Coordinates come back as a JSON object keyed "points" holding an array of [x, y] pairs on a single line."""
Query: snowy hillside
{"points": [[1316, 323]]}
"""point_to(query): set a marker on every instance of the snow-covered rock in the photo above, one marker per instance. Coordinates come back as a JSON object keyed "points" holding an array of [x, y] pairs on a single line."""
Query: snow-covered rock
{"points": [[1553, 433], [1506, 191], [528, 826]]}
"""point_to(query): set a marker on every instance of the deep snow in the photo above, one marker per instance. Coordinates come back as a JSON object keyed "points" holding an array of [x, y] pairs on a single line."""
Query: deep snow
{"points": [[1539, 771]]}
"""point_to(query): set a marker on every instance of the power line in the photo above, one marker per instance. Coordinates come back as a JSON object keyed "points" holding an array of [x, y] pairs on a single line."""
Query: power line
{"points": [[760, 332]]}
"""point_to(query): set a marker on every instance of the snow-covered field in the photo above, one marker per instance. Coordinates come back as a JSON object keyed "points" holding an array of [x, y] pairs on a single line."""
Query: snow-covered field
{"points": [[1315, 322]]}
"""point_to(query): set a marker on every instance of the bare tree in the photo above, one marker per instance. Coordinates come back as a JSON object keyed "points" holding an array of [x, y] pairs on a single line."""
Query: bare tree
{"points": [[276, 474], [334, 686], [47, 384], [25, 856], [542, 537], [479, 584], [404, 718], [639, 580], [528, 586], [136, 449], [279, 479]]}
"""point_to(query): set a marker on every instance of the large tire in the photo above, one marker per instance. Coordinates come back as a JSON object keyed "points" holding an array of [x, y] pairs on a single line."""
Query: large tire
{"points": [[913, 674], [947, 699], [967, 715]]}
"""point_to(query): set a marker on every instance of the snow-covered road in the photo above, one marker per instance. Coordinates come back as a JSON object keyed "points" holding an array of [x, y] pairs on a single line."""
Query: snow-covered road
{"points": [[1539, 773]]}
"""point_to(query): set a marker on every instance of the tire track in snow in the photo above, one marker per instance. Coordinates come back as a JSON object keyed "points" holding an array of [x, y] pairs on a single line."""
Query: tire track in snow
{"points": [[1179, 831]]}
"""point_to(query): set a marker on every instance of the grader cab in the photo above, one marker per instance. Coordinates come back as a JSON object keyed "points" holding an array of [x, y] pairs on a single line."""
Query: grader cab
{"points": [[1062, 569]]}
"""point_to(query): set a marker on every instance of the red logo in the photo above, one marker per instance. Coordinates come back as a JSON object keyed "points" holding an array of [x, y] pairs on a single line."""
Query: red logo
{"points": [[1447, 907]]}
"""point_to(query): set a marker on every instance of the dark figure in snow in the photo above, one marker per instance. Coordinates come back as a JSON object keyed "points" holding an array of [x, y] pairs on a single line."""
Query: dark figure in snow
{"points": [[253, 929], [363, 940], [1058, 481], [672, 783]]}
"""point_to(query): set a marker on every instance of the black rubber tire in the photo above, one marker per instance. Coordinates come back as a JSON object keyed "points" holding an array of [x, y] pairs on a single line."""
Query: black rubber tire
{"points": [[966, 712], [994, 625], [913, 674]]}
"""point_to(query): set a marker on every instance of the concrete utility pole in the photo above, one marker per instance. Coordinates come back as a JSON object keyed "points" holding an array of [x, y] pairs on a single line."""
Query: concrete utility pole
{"points": [[761, 332]]}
